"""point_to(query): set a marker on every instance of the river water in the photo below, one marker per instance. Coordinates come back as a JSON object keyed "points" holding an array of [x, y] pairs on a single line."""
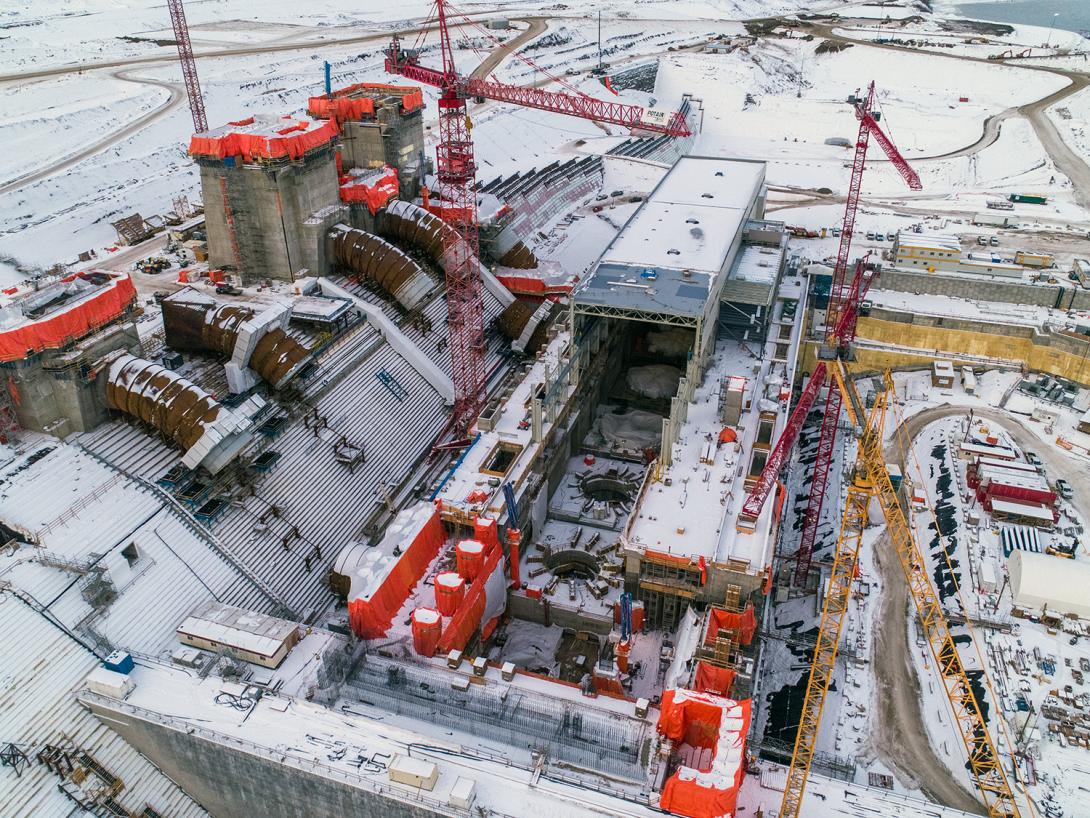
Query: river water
{"points": [[1074, 15]]}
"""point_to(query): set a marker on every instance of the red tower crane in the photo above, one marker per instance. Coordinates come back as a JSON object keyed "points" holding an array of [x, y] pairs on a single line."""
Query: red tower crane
{"points": [[842, 313], [189, 65], [456, 171]]}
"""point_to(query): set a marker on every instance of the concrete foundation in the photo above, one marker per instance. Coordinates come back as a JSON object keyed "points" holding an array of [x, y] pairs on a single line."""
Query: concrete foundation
{"points": [[231, 778], [270, 206], [57, 391]]}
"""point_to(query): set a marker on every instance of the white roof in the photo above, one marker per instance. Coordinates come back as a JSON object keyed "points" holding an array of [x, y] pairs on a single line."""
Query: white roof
{"points": [[928, 241], [1034, 510], [698, 193], [1041, 579], [943, 366], [236, 628]]}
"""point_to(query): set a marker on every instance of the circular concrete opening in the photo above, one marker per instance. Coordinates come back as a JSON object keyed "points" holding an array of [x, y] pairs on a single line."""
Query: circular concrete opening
{"points": [[573, 563]]}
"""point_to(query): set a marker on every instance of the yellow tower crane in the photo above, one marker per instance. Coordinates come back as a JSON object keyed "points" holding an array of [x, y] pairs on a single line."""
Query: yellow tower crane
{"points": [[870, 480]]}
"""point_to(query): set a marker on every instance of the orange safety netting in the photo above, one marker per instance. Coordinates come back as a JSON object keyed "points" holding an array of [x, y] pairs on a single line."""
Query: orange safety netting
{"points": [[468, 617], [426, 628], [356, 101], [712, 679], [745, 623], [290, 142], [707, 722], [68, 325], [375, 195], [371, 617]]}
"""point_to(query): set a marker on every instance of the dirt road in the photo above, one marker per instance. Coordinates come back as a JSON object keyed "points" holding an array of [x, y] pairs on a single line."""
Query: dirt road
{"points": [[1066, 160], [901, 740], [176, 93], [537, 25]]}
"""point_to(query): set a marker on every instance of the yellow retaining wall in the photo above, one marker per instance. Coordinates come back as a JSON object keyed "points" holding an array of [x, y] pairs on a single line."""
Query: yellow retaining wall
{"points": [[915, 338]]}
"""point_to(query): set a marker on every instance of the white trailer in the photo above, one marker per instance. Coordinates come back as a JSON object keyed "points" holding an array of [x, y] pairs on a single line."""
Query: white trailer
{"points": [[993, 219]]}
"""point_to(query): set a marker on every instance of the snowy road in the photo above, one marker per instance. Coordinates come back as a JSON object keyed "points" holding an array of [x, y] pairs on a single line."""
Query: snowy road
{"points": [[901, 739], [1066, 160], [175, 95]]}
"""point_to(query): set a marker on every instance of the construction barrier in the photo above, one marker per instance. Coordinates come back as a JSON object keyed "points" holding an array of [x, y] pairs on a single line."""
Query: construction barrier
{"points": [[712, 679], [289, 142], [114, 296], [712, 723], [391, 579], [745, 623]]}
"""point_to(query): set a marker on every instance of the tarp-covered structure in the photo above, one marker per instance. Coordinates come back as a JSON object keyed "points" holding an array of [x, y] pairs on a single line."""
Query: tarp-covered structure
{"points": [[742, 625], [382, 577], [59, 314], [263, 138], [1046, 581], [711, 725], [358, 101]]}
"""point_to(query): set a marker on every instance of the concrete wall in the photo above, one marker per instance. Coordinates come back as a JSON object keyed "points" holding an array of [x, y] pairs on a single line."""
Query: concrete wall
{"points": [[56, 391], [392, 139], [269, 206], [527, 608], [238, 781], [919, 339], [985, 289]]}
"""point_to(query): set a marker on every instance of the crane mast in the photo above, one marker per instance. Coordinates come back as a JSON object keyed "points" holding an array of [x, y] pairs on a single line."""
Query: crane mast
{"points": [[189, 65], [456, 170], [839, 334], [871, 480]]}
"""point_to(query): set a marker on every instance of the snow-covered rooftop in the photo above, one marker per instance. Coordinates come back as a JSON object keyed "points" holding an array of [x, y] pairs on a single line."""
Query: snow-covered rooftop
{"points": [[671, 253]]}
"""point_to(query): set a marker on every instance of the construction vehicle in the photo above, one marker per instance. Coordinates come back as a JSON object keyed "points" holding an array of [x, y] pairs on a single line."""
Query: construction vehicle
{"points": [[869, 481], [152, 265]]}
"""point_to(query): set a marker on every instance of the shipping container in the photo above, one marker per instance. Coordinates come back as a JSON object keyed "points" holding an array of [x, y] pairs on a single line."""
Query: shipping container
{"points": [[1027, 198]]}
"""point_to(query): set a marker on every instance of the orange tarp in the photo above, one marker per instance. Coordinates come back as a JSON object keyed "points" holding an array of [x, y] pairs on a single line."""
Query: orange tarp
{"points": [[68, 325], [290, 142], [376, 195], [371, 618], [357, 101], [708, 722], [468, 617], [745, 623], [712, 679]]}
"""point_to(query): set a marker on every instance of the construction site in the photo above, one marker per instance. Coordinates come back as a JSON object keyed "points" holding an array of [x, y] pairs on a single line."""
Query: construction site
{"points": [[529, 416]]}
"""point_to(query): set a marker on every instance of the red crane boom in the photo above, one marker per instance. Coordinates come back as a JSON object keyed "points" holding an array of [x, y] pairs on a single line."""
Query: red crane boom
{"points": [[189, 65], [840, 321], [399, 61], [456, 170]]}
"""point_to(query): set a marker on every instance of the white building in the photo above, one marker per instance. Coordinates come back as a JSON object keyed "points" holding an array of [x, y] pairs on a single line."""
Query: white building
{"points": [[1041, 580]]}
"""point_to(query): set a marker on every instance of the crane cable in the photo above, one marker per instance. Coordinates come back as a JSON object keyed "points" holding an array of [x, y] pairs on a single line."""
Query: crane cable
{"points": [[907, 448]]}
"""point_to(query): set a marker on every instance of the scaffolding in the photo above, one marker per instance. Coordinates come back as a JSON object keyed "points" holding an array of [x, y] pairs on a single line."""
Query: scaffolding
{"points": [[568, 733]]}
